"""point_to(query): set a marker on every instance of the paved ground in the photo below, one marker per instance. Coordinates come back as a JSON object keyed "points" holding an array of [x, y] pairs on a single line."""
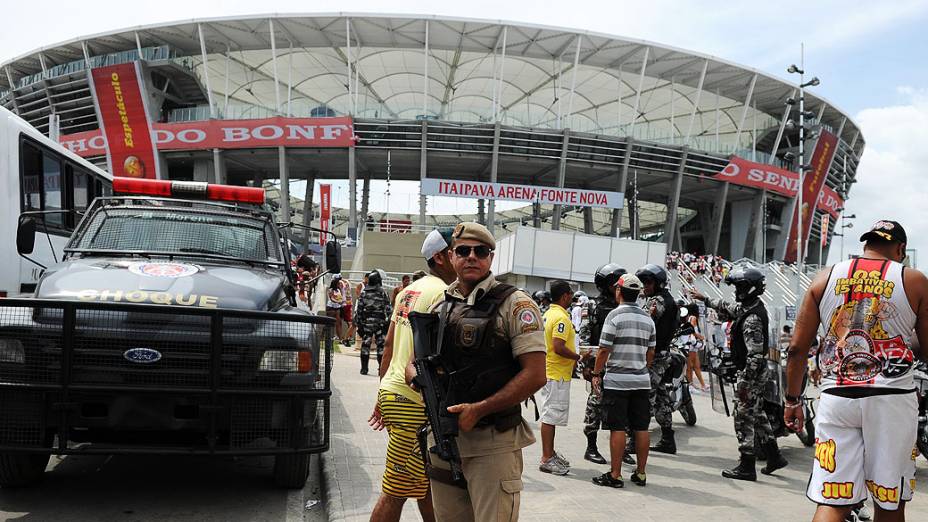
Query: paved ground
{"points": [[686, 485]]}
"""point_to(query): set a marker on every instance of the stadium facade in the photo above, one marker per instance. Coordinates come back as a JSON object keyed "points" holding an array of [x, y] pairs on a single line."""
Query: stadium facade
{"points": [[702, 149]]}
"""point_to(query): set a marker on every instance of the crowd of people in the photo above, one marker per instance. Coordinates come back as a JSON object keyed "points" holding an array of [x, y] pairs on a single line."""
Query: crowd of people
{"points": [[503, 347], [712, 266]]}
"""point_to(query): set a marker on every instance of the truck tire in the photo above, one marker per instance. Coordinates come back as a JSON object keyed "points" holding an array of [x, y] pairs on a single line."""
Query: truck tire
{"points": [[291, 471], [22, 469]]}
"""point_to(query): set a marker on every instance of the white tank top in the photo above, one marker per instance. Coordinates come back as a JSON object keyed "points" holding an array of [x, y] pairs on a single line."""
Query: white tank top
{"points": [[869, 327]]}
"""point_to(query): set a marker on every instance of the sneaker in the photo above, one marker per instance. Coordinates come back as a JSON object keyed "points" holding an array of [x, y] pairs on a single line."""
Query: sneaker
{"points": [[863, 513], [560, 458], [554, 467], [628, 459], [639, 478], [606, 479]]}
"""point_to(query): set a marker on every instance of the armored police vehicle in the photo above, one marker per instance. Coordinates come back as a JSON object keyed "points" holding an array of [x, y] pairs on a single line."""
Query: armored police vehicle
{"points": [[168, 327]]}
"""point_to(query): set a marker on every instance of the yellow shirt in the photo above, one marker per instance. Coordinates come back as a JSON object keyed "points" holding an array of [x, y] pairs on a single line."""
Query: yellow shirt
{"points": [[558, 326], [417, 297]]}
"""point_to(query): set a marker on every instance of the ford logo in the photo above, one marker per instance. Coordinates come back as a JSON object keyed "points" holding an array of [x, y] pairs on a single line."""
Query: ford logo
{"points": [[142, 355]]}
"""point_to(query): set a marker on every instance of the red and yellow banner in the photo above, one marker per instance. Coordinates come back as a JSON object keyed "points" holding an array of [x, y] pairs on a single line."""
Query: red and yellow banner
{"points": [[120, 102], [811, 190], [325, 210], [231, 134], [824, 233]]}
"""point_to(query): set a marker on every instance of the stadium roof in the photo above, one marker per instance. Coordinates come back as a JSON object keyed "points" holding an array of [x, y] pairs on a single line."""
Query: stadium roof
{"points": [[475, 70]]}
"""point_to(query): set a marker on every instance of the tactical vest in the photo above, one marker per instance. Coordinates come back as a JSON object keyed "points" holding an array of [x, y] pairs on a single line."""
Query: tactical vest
{"points": [[600, 310], [481, 357], [666, 325], [739, 349]]}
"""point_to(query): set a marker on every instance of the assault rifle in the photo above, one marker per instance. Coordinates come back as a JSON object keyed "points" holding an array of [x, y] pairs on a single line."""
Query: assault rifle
{"points": [[432, 379]]}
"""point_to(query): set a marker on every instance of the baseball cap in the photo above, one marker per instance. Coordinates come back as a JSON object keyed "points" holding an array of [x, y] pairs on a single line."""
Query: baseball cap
{"points": [[436, 241], [885, 230], [629, 282]]}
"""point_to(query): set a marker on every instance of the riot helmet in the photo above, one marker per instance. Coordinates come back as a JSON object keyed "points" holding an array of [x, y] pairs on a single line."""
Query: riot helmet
{"points": [[749, 284], [607, 276], [541, 296], [374, 278], [652, 272]]}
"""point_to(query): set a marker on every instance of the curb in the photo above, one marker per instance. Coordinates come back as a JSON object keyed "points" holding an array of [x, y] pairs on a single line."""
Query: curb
{"points": [[334, 505]]}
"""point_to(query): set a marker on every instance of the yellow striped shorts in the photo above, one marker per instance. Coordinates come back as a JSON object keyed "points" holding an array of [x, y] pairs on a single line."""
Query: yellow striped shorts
{"points": [[404, 476]]}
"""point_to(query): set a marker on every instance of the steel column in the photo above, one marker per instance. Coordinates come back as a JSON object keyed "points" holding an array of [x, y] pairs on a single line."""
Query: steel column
{"points": [[497, 109], [365, 197], [352, 190], [753, 247], [616, 228], [783, 120], [218, 167], [718, 217], [308, 206], [138, 42], [588, 220], [744, 112], [494, 171], [561, 178], [423, 169], [209, 90], [353, 109], [284, 173], [425, 86], [270, 22], [674, 201], [573, 80], [644, 65], [702, 79]]}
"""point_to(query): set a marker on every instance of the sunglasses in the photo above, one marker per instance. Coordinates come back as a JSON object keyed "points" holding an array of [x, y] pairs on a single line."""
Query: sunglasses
{"points": [[481, 251]]}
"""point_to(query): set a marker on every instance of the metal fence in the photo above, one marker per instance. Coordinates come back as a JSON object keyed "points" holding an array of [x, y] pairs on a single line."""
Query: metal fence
{"points": [[175, 379]]}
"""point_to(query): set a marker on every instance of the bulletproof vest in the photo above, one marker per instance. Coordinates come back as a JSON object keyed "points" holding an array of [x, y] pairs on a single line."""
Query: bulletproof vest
{"points": [[739, 349], [600, 310], [481, 357], [666, 325]]}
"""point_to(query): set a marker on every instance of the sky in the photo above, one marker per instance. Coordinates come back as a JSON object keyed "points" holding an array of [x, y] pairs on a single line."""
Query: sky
{"points": [[870, 57]]}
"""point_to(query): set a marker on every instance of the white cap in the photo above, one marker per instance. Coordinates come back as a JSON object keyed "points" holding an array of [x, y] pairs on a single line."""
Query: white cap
{"points": [[434, 243]]}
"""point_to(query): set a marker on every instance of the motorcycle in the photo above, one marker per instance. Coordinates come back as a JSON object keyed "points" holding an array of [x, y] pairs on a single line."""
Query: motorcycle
{"points": [[921, 384], [679, 388]]}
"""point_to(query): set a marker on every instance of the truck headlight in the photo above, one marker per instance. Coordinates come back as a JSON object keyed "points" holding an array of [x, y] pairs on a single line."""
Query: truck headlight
{"points": [[286, 361], [11, 351]]}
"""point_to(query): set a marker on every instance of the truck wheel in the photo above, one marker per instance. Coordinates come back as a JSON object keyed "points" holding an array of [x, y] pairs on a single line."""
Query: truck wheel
{"points": [[22, 469], [291, 471]]}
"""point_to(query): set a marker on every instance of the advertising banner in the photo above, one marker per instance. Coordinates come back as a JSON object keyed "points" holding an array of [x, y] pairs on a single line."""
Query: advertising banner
{"points": [[812, 185], [231, 134], [824, 234], [119, 98], [781, 181], [325, 210], [527, 193]]}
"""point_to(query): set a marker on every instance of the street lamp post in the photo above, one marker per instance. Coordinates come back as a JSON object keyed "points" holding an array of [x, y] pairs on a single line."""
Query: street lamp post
{"points": [[802, 166], [845, 226]]}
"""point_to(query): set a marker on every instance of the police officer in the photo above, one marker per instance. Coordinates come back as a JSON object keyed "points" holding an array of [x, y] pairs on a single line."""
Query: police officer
{"points": [[543, 300], [605, 278], [372, 318], [665, 313], [497, 331], [749, 342]]}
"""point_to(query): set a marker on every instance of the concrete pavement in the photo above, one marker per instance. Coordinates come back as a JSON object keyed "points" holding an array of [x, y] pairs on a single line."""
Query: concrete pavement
{"points": [[687, 485]]}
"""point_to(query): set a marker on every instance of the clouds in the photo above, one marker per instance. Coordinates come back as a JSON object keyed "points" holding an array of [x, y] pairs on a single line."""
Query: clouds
{"points": [[891, 178]]}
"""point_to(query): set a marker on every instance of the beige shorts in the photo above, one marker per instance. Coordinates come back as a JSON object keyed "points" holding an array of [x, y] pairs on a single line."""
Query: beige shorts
{"points": [[555, 405]]}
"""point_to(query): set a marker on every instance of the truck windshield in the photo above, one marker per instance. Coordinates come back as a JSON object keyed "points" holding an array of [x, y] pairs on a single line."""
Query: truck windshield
{"points": [[179, 231]]}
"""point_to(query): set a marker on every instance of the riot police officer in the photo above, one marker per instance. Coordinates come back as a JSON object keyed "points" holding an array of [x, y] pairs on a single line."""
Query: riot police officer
{"points": [[749, 343], [605, 278], [665, 313], [372, 318], [543, 300], [496, 333]]}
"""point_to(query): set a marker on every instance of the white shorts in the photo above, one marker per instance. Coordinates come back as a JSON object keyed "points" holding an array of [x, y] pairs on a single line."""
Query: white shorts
{"points": [[862, 445], [555, 405]]}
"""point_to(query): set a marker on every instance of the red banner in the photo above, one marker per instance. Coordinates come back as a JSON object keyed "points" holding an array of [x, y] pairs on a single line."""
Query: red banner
{"points": [[824, 228], [784, 182], [119, 98], [325, 210], [231, 134], [811, 191]]}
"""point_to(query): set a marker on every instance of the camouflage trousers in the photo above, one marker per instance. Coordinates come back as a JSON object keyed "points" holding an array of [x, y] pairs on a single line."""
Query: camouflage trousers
{"points": [[593, 417], [750, 418], [367, 339], [661, 401]]}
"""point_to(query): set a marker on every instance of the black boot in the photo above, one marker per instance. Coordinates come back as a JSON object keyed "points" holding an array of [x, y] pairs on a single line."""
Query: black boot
{"points": [[744, 471], [379, 359], [667, 444], [592, 453], [775, 459], [364, 361]]}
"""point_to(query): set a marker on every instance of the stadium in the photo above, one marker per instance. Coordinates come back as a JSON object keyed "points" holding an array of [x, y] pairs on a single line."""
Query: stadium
{"points": [[700, 152]]}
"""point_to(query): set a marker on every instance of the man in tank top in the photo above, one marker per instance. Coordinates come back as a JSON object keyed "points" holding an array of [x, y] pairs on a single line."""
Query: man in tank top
{"points": [[873, 312]]}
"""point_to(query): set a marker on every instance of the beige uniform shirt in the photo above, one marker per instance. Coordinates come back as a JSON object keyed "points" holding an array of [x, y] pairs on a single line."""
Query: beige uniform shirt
{"points": [[519, 319]]}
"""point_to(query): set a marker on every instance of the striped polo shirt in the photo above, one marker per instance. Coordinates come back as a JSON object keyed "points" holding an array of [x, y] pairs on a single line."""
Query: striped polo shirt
{"points": [[629, 332]]}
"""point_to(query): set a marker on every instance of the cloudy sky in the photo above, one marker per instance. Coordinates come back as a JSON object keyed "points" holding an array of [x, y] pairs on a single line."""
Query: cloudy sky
{"points": [[869, 55]]}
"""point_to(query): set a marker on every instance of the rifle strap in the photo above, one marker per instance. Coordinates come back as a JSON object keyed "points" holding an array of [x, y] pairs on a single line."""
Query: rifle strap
{"points": [[444, 476], [535, 404]]}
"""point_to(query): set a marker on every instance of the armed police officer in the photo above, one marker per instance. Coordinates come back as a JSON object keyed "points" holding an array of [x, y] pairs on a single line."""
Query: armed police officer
{"points": [[605, 279], [665, 313], [543, 300], [495, 332], [372, 318], [749, 342]]}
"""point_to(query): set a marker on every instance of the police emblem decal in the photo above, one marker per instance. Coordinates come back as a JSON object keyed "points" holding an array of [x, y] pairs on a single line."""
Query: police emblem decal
{"points": [[162, 269], [468, 334]]}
